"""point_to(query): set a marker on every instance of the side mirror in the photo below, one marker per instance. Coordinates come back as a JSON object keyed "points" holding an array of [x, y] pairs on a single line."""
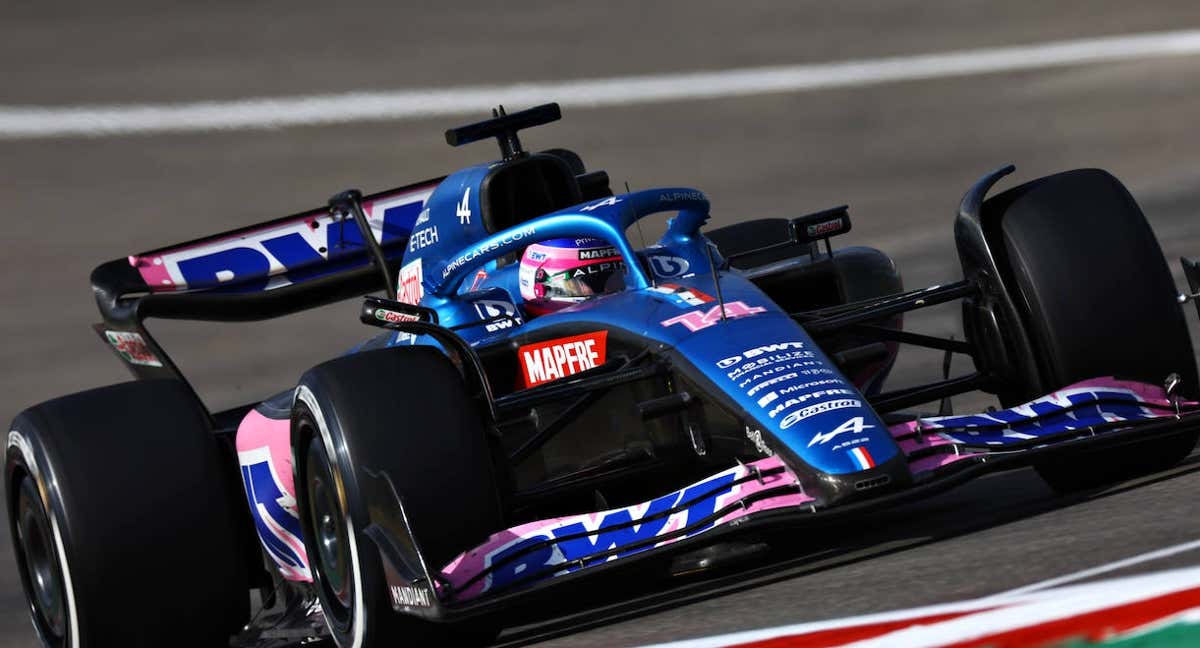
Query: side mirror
{"points": [[821, 225], [389, 313]]}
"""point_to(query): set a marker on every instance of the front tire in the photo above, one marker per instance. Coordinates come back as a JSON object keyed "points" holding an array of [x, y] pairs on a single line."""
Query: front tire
{"points": [[404, 412], [1097, 299]]}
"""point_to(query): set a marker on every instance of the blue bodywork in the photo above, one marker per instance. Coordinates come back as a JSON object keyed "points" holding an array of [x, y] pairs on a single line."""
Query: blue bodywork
{"points": [[757, 358]]}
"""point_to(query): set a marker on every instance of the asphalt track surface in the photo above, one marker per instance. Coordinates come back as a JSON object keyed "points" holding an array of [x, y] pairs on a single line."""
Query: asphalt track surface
{"points": [[901, 154]]}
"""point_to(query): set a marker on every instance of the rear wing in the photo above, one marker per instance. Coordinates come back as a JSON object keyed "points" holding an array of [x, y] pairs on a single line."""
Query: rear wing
{"points": [[258, 272]]}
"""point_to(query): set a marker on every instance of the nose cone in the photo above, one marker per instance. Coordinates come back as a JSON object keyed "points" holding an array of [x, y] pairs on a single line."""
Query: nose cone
{"points": [[812, 416]]}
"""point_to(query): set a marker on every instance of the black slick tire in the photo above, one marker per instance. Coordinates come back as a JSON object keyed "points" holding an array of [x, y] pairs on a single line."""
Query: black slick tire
{"points": [[1097, 299], [122, 510], [404, 412]]}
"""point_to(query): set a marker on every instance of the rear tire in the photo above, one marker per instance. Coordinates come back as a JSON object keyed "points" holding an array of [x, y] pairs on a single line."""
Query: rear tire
{"points": [[747, 236], [123, 520], [1097, 299], [853, 274], [404, 412]]}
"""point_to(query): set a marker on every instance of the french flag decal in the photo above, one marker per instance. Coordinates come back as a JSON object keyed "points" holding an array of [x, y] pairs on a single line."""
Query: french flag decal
{"points": [[862, 458]]}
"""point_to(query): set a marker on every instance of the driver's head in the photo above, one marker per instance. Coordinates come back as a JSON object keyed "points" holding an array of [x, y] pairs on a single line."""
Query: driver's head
{"points": [[560, 272]]}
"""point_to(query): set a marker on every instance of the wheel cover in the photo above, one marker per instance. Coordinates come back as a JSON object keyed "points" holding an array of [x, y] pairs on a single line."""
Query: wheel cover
{"points": [[332, 567], [39, 561]]}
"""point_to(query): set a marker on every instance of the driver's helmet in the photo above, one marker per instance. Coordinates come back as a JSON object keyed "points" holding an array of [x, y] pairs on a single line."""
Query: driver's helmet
{"points": [[558, 273]]}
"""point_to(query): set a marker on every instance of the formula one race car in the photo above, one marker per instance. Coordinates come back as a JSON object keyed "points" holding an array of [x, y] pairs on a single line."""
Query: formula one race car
{"points": [[549, 407]]}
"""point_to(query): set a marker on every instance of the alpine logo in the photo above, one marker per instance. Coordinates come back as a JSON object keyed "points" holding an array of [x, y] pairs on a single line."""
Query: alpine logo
{"points": [[562, 357], [610, 201], [702, 319], [672, 196], [854, 425], [757, 351]]}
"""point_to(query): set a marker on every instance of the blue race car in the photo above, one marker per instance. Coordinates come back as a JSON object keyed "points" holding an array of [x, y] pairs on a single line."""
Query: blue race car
{"points": [[547, 403]]}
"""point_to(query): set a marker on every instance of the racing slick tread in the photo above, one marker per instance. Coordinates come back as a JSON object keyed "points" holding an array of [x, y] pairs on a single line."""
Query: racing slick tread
{"points": [[1097, 299], [148, 519], [405, 412]]}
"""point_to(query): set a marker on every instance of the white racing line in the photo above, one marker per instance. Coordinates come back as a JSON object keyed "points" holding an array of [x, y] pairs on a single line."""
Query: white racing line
{"points": [[1149, 556], [18, 122], [1048, 596]]}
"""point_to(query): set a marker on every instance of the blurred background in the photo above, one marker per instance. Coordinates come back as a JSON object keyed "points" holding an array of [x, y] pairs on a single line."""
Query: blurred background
{"points": [[900, 153]]}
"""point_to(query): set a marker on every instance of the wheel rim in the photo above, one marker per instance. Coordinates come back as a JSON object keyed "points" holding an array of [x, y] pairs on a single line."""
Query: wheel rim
{"points": [[330, 536], [39, 561]]}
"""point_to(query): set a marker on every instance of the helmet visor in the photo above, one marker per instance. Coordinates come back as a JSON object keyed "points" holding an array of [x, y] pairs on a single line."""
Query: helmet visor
{"points": [[583, 281]]}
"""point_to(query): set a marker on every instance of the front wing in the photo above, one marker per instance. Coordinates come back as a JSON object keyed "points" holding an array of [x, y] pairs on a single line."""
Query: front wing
{"points": [[942, 452]]}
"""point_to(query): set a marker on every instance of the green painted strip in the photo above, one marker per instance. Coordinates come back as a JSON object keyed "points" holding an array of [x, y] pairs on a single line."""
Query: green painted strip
{"points": [[1176, 635]]}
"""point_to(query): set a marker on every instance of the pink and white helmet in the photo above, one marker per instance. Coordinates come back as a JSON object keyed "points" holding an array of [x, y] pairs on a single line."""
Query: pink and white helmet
{"points": [[557, 273]]}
